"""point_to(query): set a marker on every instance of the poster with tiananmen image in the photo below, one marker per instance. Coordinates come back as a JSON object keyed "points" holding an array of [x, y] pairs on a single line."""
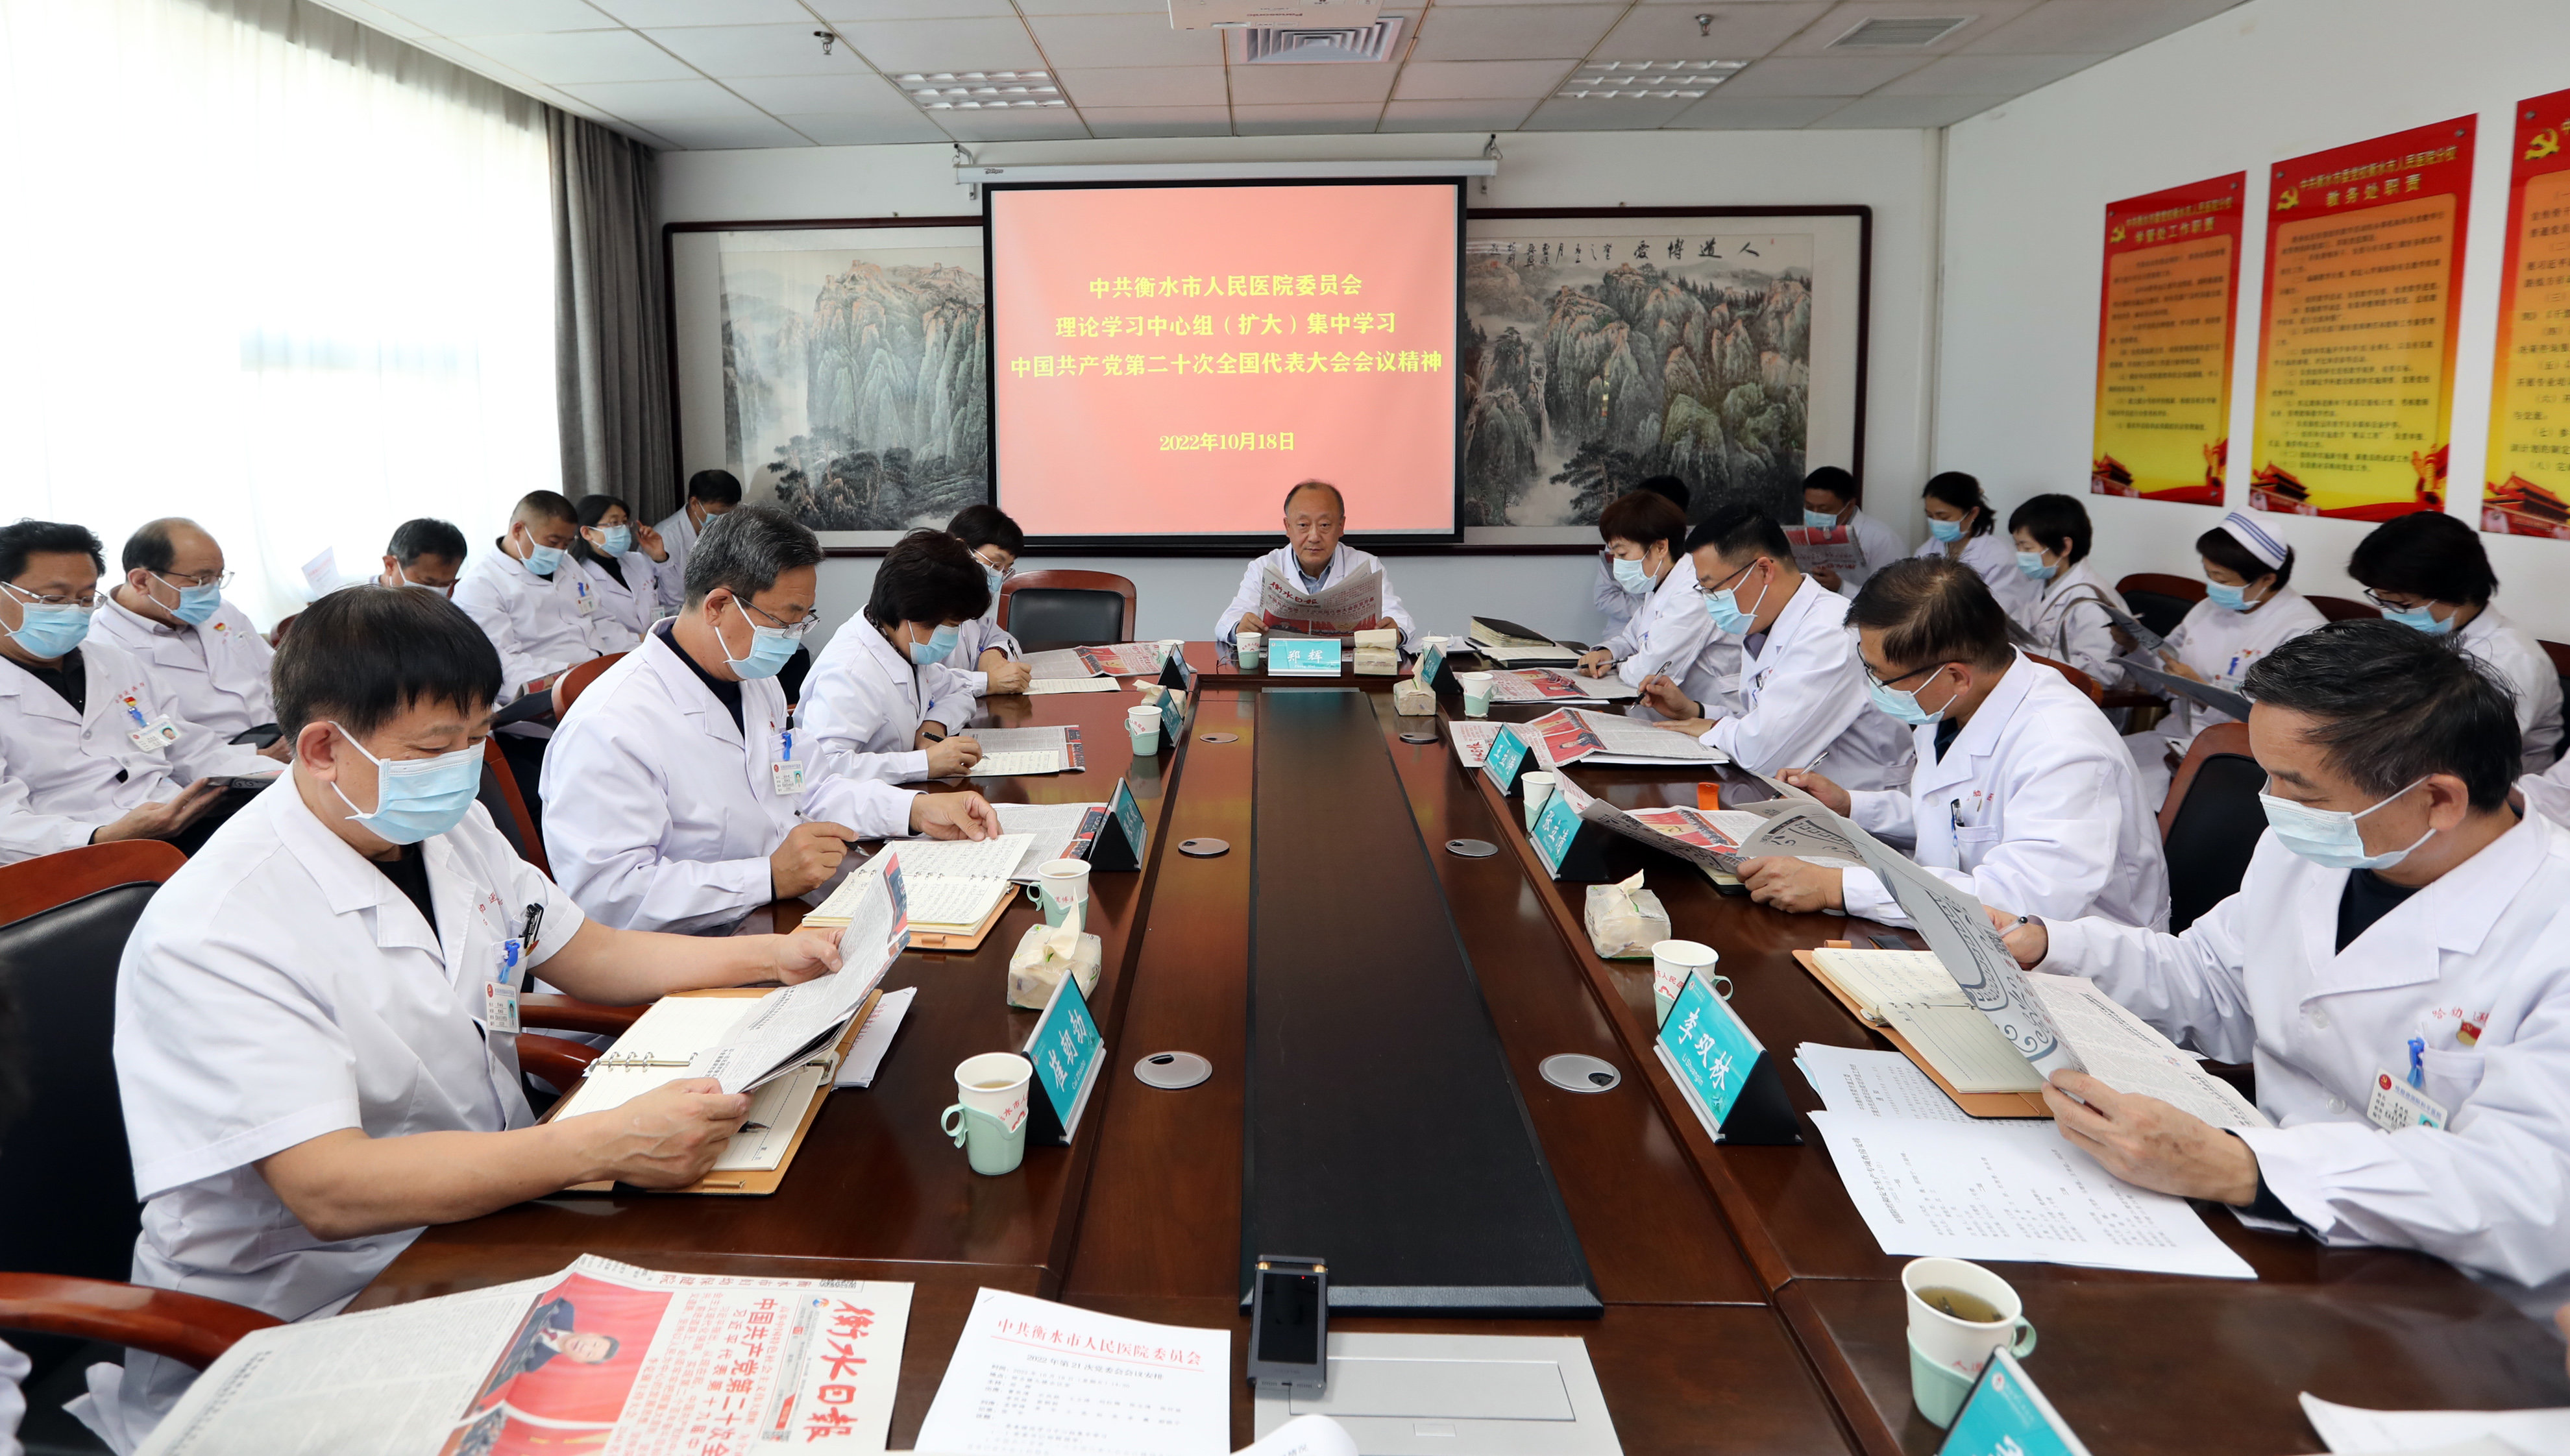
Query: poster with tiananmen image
{"points": [[2355, 356], [2164, 324], [2527, 476]]}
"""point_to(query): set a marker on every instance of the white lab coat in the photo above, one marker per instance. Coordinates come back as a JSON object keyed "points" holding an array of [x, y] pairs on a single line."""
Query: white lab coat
{"points": [[2035, 806], [1669, 632], [974, 638], [2069, 626], [1994, 556], [864, 701], [540, 625], [626, 609], [215, 673], [1614, 602], [2222, 645], [13, 1404], [63, 775], [1345, 562], [2260, 977], [659, 816], [280, 987], [1802, 690], [2523, 665], [679, 538], [1877, 544]]}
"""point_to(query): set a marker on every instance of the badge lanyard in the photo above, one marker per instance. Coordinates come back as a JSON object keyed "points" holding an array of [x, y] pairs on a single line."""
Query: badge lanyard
{"points": [[500, 993]]}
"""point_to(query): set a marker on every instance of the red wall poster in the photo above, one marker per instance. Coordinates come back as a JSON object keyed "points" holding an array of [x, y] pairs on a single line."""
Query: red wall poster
{"points": [[2527, 474], [2164, 324]]}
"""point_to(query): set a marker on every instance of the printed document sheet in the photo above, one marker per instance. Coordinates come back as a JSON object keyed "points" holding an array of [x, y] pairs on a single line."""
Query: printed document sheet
{"points": [[865, 1058], [2350, 1430], [1006, 751], [1052, 831], [1880, 1084], [2129, 1054], [1041, 685], [1033, 1378]]}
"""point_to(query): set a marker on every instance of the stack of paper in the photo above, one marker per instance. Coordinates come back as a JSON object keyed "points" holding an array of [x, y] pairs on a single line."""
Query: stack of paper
{"points": [[1505, 641], [954, 903], [1033, 1378]]}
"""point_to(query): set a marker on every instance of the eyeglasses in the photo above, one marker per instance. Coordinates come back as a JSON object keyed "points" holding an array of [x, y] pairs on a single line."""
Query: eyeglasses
{"points": [[86, 601], [195, 578], [1006, 571], [1701, 590], [795, 629], [1880, 681], [2394, 604]]}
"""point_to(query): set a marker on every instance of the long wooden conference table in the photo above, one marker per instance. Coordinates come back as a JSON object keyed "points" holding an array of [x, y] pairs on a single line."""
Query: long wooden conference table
{"points": [[1745, 1304]]}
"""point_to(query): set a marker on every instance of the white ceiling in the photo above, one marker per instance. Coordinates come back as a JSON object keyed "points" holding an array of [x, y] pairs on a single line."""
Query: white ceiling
{"points": [[716, 74]]}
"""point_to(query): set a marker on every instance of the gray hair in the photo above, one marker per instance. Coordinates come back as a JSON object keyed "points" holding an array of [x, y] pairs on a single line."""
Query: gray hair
{"points": [[746, 550]]}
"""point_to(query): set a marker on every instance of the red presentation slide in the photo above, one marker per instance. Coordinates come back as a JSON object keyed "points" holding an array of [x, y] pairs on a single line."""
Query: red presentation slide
{"points": [[1169, 360]]}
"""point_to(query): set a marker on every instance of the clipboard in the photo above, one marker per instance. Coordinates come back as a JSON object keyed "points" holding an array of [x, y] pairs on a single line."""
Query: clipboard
{"points": [[1978, 1104], [959, 941], [752, 1182]]}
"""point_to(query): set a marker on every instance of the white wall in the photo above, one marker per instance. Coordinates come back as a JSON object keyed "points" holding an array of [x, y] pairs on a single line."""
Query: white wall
{"points": [[2027, 189], [1891, 172]]}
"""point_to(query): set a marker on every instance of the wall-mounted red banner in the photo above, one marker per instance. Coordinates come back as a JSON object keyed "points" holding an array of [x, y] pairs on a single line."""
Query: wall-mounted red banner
{"points": [[2163, 325], [2528, 471], [2356, 352]]}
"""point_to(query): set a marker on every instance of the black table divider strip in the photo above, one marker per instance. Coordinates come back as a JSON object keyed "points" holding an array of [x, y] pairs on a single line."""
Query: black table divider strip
{"points": [[1384, 1133]]}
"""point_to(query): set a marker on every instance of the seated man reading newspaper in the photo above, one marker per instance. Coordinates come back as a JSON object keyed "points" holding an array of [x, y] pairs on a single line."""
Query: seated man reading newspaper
{"points": [[1315, 584]]}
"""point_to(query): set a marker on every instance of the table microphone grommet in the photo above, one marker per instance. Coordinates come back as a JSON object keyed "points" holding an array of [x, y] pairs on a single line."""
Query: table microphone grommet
{"points": [[1173, 1071], [1472, 849]]}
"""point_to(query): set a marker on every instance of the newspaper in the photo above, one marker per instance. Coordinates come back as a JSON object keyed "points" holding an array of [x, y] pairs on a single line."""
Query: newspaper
{"points": [[1830, 547], [786, 1028], [1122, 659], [1473, 740], [2220, 700], [1545, 685], [1624, 739], [602, 1357], [1352, 605], [1065, 662], [1054, 831]]}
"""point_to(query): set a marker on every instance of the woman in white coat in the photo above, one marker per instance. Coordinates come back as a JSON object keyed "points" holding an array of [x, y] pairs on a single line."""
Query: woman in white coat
{"points": [[1608, 592], [2068, 617], [2427, 570], [631, 572], [1961, 527], [2397, 963], [984, 656], [1668, 634], [881, 702]]}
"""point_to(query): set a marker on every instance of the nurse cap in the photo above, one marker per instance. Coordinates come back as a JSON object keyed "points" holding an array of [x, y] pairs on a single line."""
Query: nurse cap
{"points": [[2255, 539]]}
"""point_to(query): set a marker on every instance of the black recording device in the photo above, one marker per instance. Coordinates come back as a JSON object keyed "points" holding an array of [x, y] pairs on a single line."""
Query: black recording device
{"points": [[259, 737], [1289, 1323]]}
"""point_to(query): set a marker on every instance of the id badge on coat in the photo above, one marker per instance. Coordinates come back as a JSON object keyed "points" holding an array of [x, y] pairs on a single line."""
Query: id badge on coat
{"points": [[583, 598], [500, 993], [2396, 1105], [786, 774], [156, 735]]}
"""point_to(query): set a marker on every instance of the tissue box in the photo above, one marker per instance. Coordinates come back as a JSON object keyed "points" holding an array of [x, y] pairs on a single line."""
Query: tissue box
{"points": [[1377, 661], [1034, 969], [1624, 923], [1412, 698], [1383, 638]]}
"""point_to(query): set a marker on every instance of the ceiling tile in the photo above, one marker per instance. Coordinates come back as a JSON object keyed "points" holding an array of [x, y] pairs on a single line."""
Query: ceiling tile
{"points": [[1072, 41], [1303, 83], [1035, 126], [857, 93], [1988, 15], [1455, 116], [1588, 114], [1757, 112], [835, 9], [2069, 27], [666, 101], [1280, 121], [581, 57], [1820, 75], [845, 129], [1740, 32], [1909, 110], [717, 135], [646, 14], [1144, 86], [1986, 75], [1157, 120], [1160, 7], [1511, 32], [942, 45], [757, 50], [378, 17], [1478, 79], [498, 17]]}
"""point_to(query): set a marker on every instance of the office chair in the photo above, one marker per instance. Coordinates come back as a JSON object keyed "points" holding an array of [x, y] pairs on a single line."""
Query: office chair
{"points": [[2159, 600], [2211, 820], [1067, 607]]}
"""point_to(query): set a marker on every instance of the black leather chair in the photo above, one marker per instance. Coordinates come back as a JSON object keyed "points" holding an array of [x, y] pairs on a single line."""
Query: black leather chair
{"points": [[2159, 600], [2210, 825], [1067, 607]]}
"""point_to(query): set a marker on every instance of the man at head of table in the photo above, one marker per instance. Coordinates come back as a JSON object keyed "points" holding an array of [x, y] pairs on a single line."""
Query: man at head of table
{"points": [[1313, 558], [2397, 962]]}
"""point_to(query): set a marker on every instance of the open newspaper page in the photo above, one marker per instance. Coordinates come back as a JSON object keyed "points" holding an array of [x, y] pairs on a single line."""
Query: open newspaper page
{"points": [[1351, 605], [1833, 546], [785, 1027], [2129, 1054], [603, 1357], [1122, 659], [1623, 738], [1545, 685]]}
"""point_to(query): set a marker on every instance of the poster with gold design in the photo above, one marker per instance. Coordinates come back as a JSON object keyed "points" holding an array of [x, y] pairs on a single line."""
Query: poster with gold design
{"points": [[2527, 476], [2355, 356], [2164, 323]]}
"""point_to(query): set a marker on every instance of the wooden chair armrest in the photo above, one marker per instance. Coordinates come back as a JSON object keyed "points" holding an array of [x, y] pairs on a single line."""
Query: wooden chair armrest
{"points": [[2127, 698], [553, 1059], [189, 1328], [569, 1013]]}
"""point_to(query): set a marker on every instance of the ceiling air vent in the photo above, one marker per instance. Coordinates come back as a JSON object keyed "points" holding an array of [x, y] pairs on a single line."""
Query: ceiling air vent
{"points": [[1900, 33], [1288, 46]]}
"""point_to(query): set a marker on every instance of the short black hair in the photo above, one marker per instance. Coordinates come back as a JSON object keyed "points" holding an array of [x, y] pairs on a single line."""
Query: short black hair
{"points": [[2052, 520], [2426, 554], [425, 535], [1834, 479], [544, 505], [28, 537], [1644, 517], [1670, 487], [362, 655], [746, 550], [151, 548], [2393, 706], [987, 524], [1931, 610], [927, 577], [714, 488], [1335, 498], [1740, 529], [588, 510], [1963, 493], [2224, 549]]}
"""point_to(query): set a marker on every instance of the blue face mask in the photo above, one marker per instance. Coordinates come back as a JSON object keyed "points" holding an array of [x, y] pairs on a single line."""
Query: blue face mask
{"points": [[48, 631], [1633, 576], [2229, 599], [1902, 704], [2420, 618], [1947, 531], [1819, 520], [993, 576], [617, 539], [416, 798], [768, 650], [2330, 836], [196, 604], [1724, 607], [2032, 563], [544, 560], [939, 646]]}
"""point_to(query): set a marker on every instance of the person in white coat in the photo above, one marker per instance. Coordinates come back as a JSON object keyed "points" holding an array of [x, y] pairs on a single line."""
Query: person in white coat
{"points": [[1832, 499], [677, 796], [1802, 686], [425, 552], [2069, 618], [1313, 558], [629, 569], [2397, 963], [1961, 527], [2023, 794], [1608, 592], [710, 493], [2247, 612], [1669, 634], [91, 747], [2428, 570], [314, 1019], [530, 599], [985, 656], [881, 702], [199, 651]]}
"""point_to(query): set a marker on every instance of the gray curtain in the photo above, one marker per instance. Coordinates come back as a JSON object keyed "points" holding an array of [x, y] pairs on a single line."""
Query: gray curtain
{"points": [[610, 320]]}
